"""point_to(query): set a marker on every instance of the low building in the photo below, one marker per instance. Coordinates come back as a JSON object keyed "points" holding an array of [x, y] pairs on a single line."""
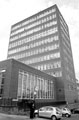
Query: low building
{"points": [[19, 81]]}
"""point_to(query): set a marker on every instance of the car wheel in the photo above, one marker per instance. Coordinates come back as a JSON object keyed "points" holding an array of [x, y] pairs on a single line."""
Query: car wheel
{"points": [[67, 115], [36, 115], [59, 119], [53, 118], [73, 112]]}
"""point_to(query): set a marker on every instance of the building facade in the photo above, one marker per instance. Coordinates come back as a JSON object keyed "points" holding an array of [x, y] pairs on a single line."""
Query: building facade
{"points": [[43, 42], [77, 81]]}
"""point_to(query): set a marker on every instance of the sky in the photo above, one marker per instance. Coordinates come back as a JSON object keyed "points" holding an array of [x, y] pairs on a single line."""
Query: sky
{"points": [[13, 11]]}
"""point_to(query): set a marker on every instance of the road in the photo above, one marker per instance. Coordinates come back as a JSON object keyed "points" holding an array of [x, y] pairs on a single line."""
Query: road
{"points": [[18, 117], [73, 117]]}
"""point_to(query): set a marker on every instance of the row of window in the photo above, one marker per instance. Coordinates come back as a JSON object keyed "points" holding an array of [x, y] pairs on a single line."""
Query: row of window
{"points": [[48, 66], [42, 58], [56, 73], [67, 57], [38, 59], [37, 35], [63, 22], [35, 24], [64, 28], [33, 86], [34, 18], [67, 61], [37, 51], [65, 35], [36, 43], [46, 33], [66, 52], [68, 65], [66, 41]]}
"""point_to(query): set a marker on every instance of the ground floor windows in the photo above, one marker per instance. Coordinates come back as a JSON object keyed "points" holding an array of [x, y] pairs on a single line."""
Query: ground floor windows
{"points": [[2, 78], [33, 86]]}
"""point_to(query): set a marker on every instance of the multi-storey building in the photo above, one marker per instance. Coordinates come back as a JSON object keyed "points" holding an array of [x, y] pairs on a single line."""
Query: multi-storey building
{"points": [[43, 42]]}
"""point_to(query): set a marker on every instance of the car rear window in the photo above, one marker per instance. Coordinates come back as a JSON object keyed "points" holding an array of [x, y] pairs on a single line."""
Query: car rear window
{"points": [[57, 109]]}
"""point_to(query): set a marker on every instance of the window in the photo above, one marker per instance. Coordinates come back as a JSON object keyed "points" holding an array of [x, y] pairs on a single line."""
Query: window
{"points": [[28, 82], [56, 74], [2, 80]]}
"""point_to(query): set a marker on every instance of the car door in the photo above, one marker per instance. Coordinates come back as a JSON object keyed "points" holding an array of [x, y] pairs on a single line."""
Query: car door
{"points": [[42, 112], [63, 110], [49, 111]]}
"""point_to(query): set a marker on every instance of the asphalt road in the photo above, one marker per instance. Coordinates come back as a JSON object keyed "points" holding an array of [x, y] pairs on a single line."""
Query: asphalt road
{"points": [[73, 117], [18, 117], [12, 117]]}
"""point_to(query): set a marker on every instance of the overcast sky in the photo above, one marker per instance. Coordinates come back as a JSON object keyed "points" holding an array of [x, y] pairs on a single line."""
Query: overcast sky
{"points": [[13, 11]]}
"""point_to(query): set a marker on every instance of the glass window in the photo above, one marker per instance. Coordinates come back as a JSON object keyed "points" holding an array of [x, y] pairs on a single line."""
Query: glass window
{"points": [[20, 85], [33, 86], [2, 80]]}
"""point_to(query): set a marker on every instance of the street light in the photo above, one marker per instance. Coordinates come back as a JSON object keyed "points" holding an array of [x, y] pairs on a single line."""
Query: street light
{"points": [[35, 94], [35, 91]]}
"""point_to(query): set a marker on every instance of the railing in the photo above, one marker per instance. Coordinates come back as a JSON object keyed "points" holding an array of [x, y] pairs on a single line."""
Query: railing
{"points": [[12, 106]]}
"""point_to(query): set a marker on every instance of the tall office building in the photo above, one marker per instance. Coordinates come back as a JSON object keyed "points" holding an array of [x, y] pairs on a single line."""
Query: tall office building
{"points": [[42, 41]]}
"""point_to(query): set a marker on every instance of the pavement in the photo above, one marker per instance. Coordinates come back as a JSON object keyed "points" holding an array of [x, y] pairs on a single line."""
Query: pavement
{"points": [[17, 117]]}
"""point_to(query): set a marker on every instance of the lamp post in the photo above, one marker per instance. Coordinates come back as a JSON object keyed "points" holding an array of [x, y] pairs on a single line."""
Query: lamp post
{"points": [[35, 92], [34, 95]]}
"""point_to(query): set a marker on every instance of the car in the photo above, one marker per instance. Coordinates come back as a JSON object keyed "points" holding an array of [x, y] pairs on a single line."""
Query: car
{"points": [[49, 112], [75, 110], [65, 112], [36, 113]]}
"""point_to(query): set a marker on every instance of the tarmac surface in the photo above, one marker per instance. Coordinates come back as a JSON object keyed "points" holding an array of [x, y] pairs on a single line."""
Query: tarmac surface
{"points": [[17, 117], [20, 117]]}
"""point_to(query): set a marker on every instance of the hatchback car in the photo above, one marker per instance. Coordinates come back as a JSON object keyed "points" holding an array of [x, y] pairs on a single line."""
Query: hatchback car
{"points": [[50, 112], [75, 111], [66, 112]]}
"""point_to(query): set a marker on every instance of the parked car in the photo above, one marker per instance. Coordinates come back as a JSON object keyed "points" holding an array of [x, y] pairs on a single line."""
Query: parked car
{"points": [[50, 112], [36, 113], [66, 112], [75, 110]]}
